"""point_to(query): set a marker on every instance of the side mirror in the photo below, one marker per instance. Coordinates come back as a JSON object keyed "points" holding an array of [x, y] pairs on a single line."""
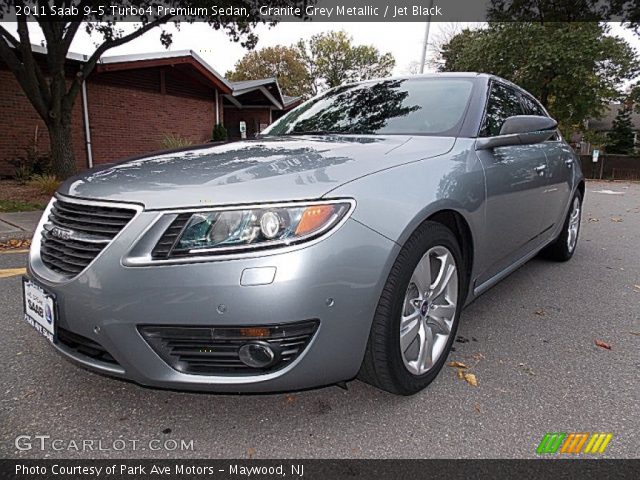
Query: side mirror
{"points": [[520, 130]]}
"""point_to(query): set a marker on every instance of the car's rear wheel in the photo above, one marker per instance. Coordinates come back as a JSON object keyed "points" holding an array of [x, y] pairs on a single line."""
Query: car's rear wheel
{"points": [[563, 248], [417, 315]]}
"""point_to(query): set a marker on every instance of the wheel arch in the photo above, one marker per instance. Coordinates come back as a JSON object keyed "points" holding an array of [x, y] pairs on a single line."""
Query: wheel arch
{"points": [[458, 224]]}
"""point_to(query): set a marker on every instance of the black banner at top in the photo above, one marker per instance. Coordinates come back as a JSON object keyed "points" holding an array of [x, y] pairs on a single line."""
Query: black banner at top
{"points": [[225, 11]]}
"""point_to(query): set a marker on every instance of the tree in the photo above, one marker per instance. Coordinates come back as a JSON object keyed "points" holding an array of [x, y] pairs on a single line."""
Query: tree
{"points": [[332, 59], [53, 86], [621, 137], [283, 63], [573, 68]]}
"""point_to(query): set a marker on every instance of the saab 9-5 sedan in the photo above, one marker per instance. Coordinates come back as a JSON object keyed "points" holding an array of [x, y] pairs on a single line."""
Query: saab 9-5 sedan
{"points": [[343, 242]]}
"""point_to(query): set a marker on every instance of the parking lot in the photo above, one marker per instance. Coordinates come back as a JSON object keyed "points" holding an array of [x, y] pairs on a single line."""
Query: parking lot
{"points": [[530, 341]]}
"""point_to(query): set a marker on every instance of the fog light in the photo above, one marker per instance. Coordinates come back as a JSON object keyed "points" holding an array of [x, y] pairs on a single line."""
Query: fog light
{"points": [[257, 354]]}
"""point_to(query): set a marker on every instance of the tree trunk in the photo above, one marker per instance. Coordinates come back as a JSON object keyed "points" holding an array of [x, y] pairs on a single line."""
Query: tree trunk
{"points": [[63, 160]]}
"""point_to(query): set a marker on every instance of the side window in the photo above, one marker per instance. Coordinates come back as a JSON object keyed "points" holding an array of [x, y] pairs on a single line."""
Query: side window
{"points": [[531, 107], [504, 102]]}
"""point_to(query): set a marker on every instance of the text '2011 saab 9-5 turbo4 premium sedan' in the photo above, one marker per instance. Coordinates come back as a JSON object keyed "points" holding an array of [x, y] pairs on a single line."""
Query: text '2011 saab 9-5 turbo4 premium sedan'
{"points": [[343, 242]]}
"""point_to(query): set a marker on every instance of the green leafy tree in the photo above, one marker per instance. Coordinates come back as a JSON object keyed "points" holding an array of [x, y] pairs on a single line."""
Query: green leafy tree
{"points": [[52, 87], [283, 63], [621, 137], [573, 68], [331, 59]]}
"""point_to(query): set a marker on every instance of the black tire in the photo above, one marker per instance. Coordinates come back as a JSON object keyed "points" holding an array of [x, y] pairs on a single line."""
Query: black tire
{"points": [[559, 250], [383, 366]]}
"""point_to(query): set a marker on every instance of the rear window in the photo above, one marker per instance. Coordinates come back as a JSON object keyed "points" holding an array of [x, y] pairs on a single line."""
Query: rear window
{"points": [[421, 106]]}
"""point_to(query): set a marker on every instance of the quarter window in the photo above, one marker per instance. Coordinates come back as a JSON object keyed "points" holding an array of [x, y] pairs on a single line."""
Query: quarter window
{"points": [[531, 107], [504, 102]]}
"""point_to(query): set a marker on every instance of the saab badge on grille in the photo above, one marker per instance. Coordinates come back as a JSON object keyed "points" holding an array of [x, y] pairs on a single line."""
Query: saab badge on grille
{"points": [[61, 233]]}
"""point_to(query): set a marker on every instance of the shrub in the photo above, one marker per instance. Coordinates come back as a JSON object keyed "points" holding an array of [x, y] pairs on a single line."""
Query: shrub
{"points": [[47, 184], [32, 162], [170, 141], [219, 133]]}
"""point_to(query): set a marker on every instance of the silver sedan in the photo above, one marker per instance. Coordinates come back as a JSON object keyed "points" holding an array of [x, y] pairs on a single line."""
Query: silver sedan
{"points": [[343, 242]]}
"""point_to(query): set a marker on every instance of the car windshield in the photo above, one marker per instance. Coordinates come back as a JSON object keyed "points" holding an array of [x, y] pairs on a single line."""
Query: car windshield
{"points": [[419, 106]]}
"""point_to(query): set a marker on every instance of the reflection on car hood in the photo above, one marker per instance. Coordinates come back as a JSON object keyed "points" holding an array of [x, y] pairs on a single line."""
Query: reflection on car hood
{"points": [[265, 170]]}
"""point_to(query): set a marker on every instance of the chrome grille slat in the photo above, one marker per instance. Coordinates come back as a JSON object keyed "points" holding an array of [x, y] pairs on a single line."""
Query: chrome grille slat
{"points": [[95, 226], [60, 214]]}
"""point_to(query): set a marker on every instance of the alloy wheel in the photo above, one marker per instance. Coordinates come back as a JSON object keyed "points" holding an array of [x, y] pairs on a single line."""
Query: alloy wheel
{"points": [[574, 225], [429, 309]]}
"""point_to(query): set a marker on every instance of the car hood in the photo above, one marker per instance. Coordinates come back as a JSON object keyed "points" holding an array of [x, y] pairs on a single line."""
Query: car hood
{"points": [[265, 170]]}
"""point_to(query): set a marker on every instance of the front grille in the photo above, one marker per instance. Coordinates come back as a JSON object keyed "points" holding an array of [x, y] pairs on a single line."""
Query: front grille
{"points": [[84, 345], [75, 234], [214, 351]]}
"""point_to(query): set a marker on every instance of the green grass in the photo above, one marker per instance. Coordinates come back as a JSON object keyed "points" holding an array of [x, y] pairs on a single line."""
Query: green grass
{"points": [[19, 206]]}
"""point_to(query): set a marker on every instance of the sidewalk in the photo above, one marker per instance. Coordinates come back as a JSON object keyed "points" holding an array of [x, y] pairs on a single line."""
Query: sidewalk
{"points": [[19, 225]]}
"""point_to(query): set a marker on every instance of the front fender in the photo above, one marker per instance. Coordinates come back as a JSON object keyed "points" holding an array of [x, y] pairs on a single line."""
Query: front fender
{"points": [[396, 201]]}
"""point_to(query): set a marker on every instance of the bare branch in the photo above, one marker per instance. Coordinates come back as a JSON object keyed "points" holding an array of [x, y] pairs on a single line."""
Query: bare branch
{"points": [[11, 40]]}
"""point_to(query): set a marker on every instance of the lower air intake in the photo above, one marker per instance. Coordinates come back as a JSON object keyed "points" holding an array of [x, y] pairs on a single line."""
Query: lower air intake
{"points": [[217, 350]]}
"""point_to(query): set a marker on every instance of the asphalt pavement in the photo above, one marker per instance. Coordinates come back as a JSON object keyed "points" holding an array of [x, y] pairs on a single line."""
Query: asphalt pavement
{"points": [[530, 341]]}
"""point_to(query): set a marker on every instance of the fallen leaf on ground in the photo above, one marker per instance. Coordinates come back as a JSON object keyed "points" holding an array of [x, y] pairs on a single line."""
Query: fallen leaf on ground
{"points": [[540, 312], [594, 220], [460, 373], [637, 287], [29, 393], [289, 398], [478, 356], [251, 452], [457, 365], [616, 219], [526, 369], [635, 333], [471, 379], [477, 407], [15, 244], [602, 344]]}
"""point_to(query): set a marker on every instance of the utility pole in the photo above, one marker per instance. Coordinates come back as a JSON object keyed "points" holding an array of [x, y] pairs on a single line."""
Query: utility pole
{"points": [[423, 58]]}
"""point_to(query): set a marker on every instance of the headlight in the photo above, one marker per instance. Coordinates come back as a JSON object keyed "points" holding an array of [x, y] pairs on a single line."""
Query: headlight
{"points": [[236, 230]]}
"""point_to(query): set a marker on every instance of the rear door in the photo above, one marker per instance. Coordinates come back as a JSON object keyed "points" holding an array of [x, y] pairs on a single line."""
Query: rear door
{"points": [[559, 173], [515, 183]]}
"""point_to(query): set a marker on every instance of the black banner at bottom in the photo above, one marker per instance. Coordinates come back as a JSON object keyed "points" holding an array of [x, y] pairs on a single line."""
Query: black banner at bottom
{"points": [[317, 469]]}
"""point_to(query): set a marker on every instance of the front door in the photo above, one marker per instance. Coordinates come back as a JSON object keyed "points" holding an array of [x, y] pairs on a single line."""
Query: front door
{"points": [[515, 183]]}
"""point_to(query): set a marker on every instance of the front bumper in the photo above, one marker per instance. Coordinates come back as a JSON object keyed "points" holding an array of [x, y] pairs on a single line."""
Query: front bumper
{"points": [[337, 281]]}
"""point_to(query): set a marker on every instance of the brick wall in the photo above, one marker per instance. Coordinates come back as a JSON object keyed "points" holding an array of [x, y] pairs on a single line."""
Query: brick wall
{"points": [[129, 114], [127, 120], [18, 123]]}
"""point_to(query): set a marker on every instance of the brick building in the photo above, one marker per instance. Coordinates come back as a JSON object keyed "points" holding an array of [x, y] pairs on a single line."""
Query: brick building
{"points": [[132, 102], [257, 103]]}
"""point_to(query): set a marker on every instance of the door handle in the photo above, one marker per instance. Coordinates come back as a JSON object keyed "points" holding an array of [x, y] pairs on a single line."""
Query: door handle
{"points": [[569, 162], [540, 169]]}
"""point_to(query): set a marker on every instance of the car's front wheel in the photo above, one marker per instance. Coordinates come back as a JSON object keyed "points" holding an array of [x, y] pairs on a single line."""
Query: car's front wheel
{"points": [[564, 246], [417, 315]]}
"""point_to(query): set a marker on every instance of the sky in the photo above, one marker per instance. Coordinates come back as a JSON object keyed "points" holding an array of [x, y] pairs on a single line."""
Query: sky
{"points": [[403, 40]]}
